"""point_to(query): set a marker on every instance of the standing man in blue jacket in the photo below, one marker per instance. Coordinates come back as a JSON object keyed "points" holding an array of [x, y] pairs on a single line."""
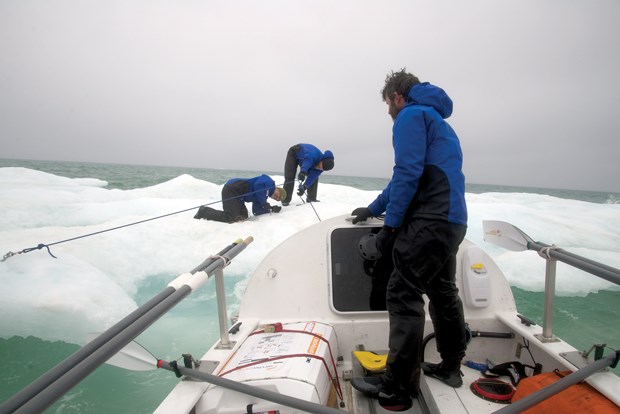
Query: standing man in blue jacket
{"points": [[312, 162], [238, 191], [425, 222]]}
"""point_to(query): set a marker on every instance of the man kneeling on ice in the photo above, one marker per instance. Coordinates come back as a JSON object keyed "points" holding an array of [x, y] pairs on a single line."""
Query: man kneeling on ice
{"points": [[238, 191]]}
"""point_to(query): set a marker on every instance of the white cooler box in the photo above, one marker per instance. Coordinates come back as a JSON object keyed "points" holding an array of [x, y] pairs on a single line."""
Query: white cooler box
{"points": [[296, 361]]}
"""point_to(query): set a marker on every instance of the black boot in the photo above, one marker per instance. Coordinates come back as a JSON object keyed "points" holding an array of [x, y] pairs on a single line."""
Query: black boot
{"points": [[389, 398], [448, 377], [201, 213], [209, 213]]}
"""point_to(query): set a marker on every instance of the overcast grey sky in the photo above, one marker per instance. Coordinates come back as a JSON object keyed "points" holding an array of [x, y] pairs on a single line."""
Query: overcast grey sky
{"points": [[232, 84]]}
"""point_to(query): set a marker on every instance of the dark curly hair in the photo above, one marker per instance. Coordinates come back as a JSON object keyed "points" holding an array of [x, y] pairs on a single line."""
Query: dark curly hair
{"points": [[399, 82]]}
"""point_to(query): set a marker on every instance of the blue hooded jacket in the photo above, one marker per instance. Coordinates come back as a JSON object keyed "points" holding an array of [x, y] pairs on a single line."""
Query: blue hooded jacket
{"points": [[307, 157], [427, 180], [261, 188]]}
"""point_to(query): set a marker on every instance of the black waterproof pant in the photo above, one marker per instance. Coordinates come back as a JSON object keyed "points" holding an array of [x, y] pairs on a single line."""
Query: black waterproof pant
{"points": [[234, 207], [424, 255], [290, 170]]}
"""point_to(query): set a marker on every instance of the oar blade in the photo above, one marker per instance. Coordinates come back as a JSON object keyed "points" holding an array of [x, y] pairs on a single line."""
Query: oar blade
{"points": [[133, 357], [505, 235]]}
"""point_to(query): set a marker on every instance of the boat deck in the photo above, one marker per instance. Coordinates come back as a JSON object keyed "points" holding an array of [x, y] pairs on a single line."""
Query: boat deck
{"points": [[437, 397], [332, 295], [462, 399]]}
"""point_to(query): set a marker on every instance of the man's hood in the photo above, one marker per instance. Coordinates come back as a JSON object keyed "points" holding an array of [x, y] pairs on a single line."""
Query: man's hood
{"points": [[431, 95]]}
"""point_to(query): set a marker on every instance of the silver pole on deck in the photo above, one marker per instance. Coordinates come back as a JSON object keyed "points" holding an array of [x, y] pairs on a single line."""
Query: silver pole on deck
{"points": [[75, 369], [547, 333], [220, 295], [510, 237]]}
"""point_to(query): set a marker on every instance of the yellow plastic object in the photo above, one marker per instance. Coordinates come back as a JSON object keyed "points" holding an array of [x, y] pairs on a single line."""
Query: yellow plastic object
{"points": [[370, 361], [478, 268]]}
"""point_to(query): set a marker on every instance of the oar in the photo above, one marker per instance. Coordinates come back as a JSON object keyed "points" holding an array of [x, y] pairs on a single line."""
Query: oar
{"points": [[137, 358], [510, 237], [56, 372], [553, 389], [133, 357], [505, 235], [50, 386]]}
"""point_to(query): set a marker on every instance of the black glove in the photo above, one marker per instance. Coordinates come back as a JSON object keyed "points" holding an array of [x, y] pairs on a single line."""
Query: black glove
{"points": [[385, 239], [301, 176], [302, 190], [361, 214], [275, 209]]}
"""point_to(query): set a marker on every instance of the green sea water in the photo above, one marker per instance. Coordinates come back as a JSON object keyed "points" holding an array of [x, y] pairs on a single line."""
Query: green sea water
{"points": [[110, 389]]}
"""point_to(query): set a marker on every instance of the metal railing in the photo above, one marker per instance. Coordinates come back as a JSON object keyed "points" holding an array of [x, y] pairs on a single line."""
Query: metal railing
{"points": [[49, 387], [512, 238]]}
